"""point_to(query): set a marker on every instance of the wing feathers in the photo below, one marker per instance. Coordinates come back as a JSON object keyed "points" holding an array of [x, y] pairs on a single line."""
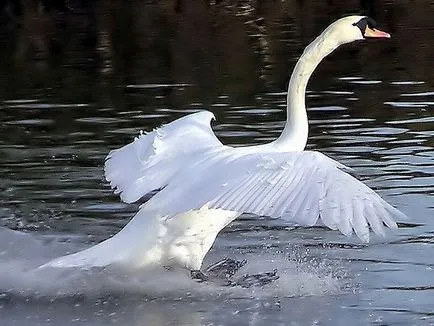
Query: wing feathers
{"points": [[193, 169], [297, 186], [282, 201], [358, 221], [344, 224], [152, 159], [376, 224]]}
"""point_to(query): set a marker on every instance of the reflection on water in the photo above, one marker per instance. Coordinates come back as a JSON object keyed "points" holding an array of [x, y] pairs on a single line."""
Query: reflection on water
{"points": [[73, 90]]}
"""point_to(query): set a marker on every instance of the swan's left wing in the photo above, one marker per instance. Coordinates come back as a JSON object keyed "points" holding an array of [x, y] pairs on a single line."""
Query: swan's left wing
{"points": [[300, 187], [152, 159]]}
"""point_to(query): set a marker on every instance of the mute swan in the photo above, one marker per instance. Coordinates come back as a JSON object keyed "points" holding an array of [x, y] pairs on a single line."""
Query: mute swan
{"points": [[203, 185]]}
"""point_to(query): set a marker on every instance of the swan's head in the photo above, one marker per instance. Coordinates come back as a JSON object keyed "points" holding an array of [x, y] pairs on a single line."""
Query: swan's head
{"points": [[353, 28], [344, 30]]}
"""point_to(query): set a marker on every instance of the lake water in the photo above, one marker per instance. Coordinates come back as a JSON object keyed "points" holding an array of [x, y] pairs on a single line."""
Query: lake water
{"points": [[74, 86]]}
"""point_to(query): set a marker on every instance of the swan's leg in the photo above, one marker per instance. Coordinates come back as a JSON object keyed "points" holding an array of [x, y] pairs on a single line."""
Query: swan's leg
{"points": [[198, 275]]}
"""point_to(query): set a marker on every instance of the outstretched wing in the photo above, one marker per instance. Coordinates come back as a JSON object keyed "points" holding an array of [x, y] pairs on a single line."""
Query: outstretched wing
{"points": [[152, 159], [300, 187]]}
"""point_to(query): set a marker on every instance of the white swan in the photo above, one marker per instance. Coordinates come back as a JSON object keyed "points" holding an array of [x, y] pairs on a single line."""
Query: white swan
{"points": [[203, 185]]}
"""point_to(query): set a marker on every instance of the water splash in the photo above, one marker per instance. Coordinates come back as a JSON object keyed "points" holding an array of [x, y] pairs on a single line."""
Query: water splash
{"points": [[19, 276]]}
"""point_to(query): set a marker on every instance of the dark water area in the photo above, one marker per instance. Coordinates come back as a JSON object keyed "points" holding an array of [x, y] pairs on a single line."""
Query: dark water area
{"points": [[77, 83]]}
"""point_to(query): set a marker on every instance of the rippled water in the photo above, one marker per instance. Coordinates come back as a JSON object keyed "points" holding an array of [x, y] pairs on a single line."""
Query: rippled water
{"points": [[369, 108]]}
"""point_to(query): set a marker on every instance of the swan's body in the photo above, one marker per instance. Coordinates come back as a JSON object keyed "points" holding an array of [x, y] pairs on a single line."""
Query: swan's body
{"points": [[204, 185]]}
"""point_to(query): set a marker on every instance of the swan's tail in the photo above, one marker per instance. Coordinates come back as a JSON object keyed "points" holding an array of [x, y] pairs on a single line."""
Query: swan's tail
{"points": [[134, 246]]}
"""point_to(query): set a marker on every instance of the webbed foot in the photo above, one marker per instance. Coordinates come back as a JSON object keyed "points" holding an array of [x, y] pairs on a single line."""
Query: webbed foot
{"points": [[247, 281], [219, 272], [222, 273], [225, 268]]}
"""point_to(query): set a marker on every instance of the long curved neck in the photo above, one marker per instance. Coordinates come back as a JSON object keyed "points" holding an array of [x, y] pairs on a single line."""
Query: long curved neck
{"points": [[294, 135]]}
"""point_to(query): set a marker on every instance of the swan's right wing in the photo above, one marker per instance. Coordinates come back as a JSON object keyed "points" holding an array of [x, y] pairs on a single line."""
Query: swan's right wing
{"points": [[301, 187], [152, 159]]}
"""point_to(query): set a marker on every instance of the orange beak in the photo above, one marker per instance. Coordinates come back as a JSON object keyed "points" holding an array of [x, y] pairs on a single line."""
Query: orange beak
{"points": [[375, 33]]}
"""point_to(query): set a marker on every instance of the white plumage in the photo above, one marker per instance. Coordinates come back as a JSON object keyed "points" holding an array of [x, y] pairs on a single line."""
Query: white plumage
{"points": [[154, 158], [202, 185]]}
